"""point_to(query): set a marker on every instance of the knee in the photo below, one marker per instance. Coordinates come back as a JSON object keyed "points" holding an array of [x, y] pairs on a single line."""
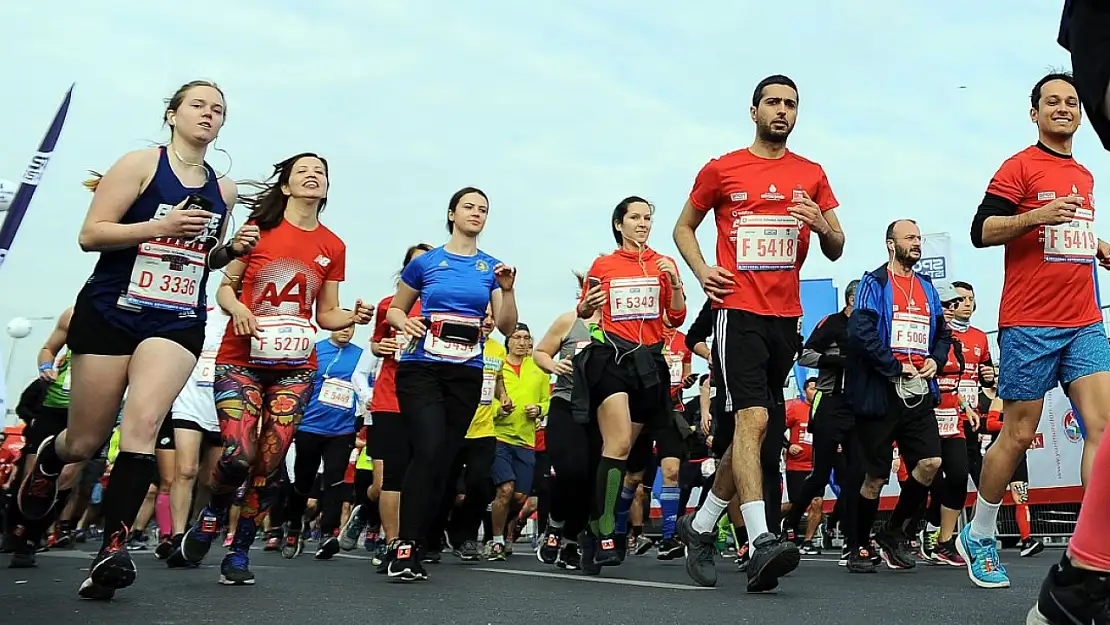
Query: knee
{"points": [[670, 468], [187, 472], [80, 450], [815, 505], [872, 486], [928, 467], [632, 481], [1019, 433]]}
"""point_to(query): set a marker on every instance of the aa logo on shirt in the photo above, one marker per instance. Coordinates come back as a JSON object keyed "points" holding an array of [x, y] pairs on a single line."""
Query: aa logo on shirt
{"points": [[482, 266]]}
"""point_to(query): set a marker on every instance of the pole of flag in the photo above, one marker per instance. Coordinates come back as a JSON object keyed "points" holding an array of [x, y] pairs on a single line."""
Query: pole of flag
{"points": [[31, 178]]}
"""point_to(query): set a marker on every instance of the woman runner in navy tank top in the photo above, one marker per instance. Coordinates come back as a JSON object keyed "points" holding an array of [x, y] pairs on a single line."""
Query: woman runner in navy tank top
{"points": [[156, 219]]}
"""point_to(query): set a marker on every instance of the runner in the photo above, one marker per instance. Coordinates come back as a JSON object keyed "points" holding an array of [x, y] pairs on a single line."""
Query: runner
{"points": [[621, 378], [266, 363], [156, 219], [897, 341], [799, 465], [767, 201], [439, 379], [1039, 206]]}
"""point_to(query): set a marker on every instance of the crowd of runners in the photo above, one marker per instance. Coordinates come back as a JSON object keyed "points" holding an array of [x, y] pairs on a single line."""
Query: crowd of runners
{"points": [[226, 422]]}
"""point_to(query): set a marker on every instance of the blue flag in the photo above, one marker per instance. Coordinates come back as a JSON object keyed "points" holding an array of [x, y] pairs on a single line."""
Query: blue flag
{"points": [[31, 179]]}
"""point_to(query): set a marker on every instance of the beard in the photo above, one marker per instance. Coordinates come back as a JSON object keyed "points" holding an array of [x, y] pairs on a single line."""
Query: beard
{"points": [[766, 133], [904, 255]]}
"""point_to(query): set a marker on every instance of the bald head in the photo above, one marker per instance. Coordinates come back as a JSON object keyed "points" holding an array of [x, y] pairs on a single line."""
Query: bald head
{"points": [[903, 242]]}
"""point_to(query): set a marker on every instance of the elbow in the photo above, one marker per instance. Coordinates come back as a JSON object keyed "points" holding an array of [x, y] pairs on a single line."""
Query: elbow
{"points": [[86, 240]]}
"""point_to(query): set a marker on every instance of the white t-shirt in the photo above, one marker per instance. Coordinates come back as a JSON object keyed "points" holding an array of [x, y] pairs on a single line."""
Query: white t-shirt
{"points": [[195, 402]]}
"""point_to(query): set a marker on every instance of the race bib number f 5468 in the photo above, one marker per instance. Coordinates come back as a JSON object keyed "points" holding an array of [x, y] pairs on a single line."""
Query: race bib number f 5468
{"points": [[337, 393], [285, 340], [1073, 242], [167, 276], [909, 333], [766, 243], [634, 298]]}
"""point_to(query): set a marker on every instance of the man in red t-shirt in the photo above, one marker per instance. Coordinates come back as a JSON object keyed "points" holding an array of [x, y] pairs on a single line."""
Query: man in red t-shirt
{"points": [[1040, 207], [799, 460], [766, 202]]}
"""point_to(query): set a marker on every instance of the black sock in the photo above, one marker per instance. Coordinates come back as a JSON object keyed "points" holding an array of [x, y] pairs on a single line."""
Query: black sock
{"points": [[637, 531], [910, 501], [49, 461], [610, 480], [741, 535], [131, 478], [866, 511]]}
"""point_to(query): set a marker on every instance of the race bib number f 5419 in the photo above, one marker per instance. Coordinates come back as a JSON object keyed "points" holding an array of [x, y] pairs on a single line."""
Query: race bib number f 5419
{"points": [[337, 393], [948, 421], [285, 340], [446, 350], [1073, 242], [166, 275], [909, 333], [634, 298], [766, 243]]}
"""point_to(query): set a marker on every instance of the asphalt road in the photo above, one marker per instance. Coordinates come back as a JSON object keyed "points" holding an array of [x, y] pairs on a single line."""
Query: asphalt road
{"points": [[643, 591]]}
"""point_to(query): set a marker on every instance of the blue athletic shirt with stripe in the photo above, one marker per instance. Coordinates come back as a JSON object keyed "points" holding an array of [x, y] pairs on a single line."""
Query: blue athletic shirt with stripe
{"points": [[452, 288], [118, 287], [332, 409]]}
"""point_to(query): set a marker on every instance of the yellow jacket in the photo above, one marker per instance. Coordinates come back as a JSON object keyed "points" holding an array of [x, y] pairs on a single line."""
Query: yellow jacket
{"points": [[531, 386]]}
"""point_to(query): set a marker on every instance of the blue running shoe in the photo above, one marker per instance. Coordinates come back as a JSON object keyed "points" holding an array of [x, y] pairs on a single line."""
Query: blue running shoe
{"points": [[981, 556], [198, 538], [235, 569]]}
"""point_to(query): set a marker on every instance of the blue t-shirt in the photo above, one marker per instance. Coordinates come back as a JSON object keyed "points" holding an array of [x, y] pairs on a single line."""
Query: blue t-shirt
{"points": [[452, 288], [334, 403]]}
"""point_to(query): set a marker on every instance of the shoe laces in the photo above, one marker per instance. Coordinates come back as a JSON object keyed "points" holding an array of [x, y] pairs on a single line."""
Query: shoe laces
{"points": [[119, 539]]}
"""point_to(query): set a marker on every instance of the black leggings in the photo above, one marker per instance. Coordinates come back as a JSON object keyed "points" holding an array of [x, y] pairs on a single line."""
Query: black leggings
{"points": [[473, 465], [689, 477], [949, 489], [438, 401], [575, 451], [335, 451]]}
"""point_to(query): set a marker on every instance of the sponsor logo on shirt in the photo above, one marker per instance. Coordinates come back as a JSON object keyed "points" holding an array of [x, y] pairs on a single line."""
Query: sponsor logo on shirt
{"points": [[482, 266], [322, 260], [1046, 196], [773, 194], [741, 196]]}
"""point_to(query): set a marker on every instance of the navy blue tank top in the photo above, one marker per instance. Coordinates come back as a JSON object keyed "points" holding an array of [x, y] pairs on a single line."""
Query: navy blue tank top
{"points": [[159, 285]]}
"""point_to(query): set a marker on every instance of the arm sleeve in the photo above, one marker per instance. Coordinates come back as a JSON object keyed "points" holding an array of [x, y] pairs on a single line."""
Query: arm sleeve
{"points": [[863, 329], [813, 352], [1004, 192], [381, 326], [361, 377], [994, 422], [992, 206], [702, 326]]}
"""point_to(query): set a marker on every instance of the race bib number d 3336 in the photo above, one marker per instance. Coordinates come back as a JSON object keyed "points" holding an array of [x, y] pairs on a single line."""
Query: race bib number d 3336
{"points": [[166, 276], [285, 340], [634, 298], [766, 242]]}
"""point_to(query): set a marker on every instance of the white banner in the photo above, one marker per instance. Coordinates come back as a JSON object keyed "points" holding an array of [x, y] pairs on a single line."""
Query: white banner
{"points": [[936, 256]]}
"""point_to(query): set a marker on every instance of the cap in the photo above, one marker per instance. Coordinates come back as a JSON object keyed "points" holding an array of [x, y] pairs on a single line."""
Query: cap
{"points": [[947, 292]]}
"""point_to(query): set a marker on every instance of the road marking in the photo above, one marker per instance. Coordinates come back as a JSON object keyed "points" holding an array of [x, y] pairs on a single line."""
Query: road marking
{"points": [[598, 580]]}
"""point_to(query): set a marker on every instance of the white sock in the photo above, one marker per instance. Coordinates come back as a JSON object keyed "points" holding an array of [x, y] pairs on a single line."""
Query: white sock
{"points": [[499, 540], [755, 519], [985, 522], [705, 519], [931, 528]]}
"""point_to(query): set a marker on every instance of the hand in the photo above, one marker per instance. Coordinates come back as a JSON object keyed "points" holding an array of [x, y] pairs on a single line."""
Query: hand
{"points": [[1058, 211], [50, 375], [414, 327], [533, 411], [244, 323], [506, 404], [184, 223], [808, 212], [595, 299], [794, 450], [909, 371], [690, 380], [666, 266], [986, 374], [506, 276], [362, 314], [715, 282], [929, 369], [706, 422], [564, 366], [388, 346], [972, 418], [1103, 254], [245, 240]]}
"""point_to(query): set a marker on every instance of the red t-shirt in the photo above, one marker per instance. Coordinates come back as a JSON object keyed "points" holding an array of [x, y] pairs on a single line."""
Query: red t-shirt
{"points": [[638, 294], [677, 355], [385, 385], [949, 415], [757, 239], [797, 422], [977, 352], [284, 275], [909, 333], [1049, 271]]}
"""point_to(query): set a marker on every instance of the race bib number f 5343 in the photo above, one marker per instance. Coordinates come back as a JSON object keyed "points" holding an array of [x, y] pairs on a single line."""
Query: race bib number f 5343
{"points": [[634, 298], [285, 340], [167, 276], [1073, 242], [909, 333], [337, 393], [766, 243]]}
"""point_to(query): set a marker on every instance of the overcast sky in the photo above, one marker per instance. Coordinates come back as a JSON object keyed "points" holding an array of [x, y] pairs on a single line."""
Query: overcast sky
{"points": [[557, 110]]}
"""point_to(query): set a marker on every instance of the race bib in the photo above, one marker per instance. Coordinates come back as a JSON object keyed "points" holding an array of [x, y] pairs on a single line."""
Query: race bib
{"points": [[402, 343], [1073, 242], [766, 243], [969, 392], [674, 364], [909, 333], [948, 420], [65, 381], [286, 340], [337, 393], [580, 345], [489, 385], [166, 275], [806, 436], [984, 442], [634, 298], [206, 368], [451, 352]]}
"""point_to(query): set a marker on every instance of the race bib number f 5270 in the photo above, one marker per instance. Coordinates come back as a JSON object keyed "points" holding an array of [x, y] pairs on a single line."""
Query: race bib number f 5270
{"points": [[766, 243], [909, 333], [634, 298], [285, 340], [1073, 242]]}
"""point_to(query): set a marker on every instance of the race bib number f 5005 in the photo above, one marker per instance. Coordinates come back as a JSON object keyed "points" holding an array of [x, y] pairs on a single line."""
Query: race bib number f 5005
{"points": [[285, 340]]}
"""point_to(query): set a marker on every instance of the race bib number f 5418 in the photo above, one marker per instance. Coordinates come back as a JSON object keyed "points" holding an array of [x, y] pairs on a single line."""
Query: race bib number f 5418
{"points": [[909, 333], [948, 421], [285, 340], [446, 350], [766, 243], [634, 298], [1073, 242], [337, 393], [166, 275]]}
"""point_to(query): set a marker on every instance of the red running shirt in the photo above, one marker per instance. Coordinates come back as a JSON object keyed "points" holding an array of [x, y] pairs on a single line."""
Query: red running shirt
{"points": [[283, 278], [385, 385], [637, 296], [677, 355], [977, 352], [797, 423], [909, 331], [757, 239], [1049, 271], [949, 415]]}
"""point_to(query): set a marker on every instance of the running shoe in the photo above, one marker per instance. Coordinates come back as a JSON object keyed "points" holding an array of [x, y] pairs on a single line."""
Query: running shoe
{"points": [[292, 543], [497, 553], [981, 556], [569, 558], [770, 560], [164, 548], [111, 570], [404, 564], [643, 545], [235, 569], [176, 559], [348, 536], [610, 551], [700, 551], [469, 551], [38, 491], [198, 538], [1087, 601], [63, 539], [383, 556], [23, 552], [743, 557], [431, 555], [946, 553], [1031, 547], [138, 542], [862, 560], [845, 552], [809, 549], [895, 549], [548, 551], [328, 548], [670, 549], [587, 543], [927, 545], [273, 541]]}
